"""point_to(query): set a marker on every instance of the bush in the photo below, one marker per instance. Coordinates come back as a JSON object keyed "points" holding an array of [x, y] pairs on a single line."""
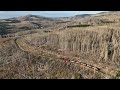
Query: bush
{"points": [[117, 75], [78, 76], [25, 27]]}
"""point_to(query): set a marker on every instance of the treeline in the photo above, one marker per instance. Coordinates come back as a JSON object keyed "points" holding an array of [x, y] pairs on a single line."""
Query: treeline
{"points": [[3, 28], [84, 25], [12, 21]]}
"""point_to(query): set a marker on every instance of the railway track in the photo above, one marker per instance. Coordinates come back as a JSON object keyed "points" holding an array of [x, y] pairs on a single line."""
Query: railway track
{"points": [[23, 46]]}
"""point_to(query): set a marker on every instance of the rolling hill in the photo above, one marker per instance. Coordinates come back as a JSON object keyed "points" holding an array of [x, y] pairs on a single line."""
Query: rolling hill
{"points": [[79, 47]]}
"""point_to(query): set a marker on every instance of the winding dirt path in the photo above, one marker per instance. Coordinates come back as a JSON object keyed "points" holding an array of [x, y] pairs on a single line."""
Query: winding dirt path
{"points": [[36, 51]]}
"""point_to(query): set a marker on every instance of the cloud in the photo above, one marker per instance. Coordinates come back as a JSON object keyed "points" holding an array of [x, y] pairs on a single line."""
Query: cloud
{"points": [[1, 12]]}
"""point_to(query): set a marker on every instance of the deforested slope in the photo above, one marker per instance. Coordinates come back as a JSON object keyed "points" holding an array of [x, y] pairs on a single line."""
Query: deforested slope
{"points": [[81, 48]]}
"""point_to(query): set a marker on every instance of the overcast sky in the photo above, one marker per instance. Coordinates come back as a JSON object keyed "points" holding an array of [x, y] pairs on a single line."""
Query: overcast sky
{"points": [[9, 14]]}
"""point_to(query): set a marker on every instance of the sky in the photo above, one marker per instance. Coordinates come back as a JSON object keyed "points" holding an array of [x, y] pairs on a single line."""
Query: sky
{"points": [[10, 14]]}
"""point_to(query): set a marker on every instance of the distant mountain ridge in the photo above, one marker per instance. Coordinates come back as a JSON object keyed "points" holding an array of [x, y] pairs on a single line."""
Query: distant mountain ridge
{"points": [[38, 17], [30, 22]]}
